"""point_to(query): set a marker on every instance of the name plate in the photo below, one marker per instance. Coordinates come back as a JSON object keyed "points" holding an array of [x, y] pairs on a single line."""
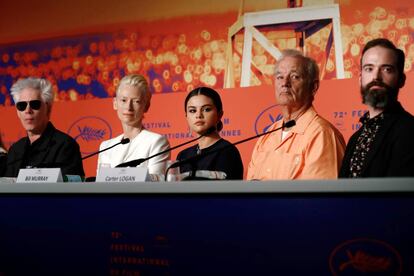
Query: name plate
{"points": [[49, 175], [135, 174]]}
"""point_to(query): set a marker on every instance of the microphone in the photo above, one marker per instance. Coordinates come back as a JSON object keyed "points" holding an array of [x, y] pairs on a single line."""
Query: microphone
{"points": [[288, 124], [122, 142], [136, 162]]}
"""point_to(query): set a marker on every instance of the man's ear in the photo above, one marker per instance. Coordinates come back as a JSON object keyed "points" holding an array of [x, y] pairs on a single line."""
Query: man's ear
{"points": [[49, 109], [401, 82], [315, 86], [147, 106]]}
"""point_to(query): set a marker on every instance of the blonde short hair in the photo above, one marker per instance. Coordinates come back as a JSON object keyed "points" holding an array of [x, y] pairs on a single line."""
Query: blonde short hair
{"points": [[139, 82]]}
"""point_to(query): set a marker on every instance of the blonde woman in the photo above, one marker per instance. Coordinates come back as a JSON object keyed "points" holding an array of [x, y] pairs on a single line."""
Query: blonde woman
{"points": [[132, 101]]}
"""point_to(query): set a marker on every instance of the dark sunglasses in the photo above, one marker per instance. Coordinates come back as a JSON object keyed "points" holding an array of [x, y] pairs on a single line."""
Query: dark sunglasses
{"points": [[35, 105]]}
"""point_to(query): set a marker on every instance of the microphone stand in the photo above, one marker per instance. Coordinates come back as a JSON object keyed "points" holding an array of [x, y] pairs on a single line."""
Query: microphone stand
{"points": [[123, 141], [136, 162], [290, 123]]}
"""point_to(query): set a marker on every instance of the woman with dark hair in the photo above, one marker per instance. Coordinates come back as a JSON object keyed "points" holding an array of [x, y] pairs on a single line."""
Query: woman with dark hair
{"points": [[204, 110]]}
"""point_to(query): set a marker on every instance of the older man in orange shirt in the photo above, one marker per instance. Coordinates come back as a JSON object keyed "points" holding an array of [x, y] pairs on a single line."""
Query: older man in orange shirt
{"points": [[313, 148]]}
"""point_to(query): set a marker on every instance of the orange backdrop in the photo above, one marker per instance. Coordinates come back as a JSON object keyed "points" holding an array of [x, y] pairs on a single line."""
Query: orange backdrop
{"points": [[247, 111]]}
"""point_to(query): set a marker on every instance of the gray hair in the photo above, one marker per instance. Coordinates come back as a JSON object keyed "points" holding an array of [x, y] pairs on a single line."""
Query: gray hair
{"points": [[311, 69], [42, 85], [139, 82]]}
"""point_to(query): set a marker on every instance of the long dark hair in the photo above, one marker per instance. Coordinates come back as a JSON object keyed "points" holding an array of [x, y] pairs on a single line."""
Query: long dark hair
{"points": [[210, 93]]}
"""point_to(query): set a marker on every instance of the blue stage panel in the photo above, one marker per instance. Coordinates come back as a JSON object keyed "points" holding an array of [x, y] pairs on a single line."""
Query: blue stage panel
{"points": [[207, 233]]}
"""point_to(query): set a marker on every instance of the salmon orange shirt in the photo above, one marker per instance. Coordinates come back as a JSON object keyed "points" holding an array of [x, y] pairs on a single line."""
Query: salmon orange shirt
{"points": [[313, 149]]}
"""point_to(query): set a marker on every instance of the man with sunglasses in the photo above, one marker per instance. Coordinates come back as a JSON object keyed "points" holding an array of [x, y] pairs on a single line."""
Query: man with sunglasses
{"points": [[44, 145], [383, 146]]}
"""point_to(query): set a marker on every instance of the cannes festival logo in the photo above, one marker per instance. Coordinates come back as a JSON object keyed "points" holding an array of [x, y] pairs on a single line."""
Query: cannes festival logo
{"points": [[266, 118], [366, 257], [89, 132]]}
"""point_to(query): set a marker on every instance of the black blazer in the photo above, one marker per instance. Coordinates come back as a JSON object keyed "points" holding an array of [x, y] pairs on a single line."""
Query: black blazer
{"points": [[3, 162], [225, 158], [392, 152], [53, 149]]}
